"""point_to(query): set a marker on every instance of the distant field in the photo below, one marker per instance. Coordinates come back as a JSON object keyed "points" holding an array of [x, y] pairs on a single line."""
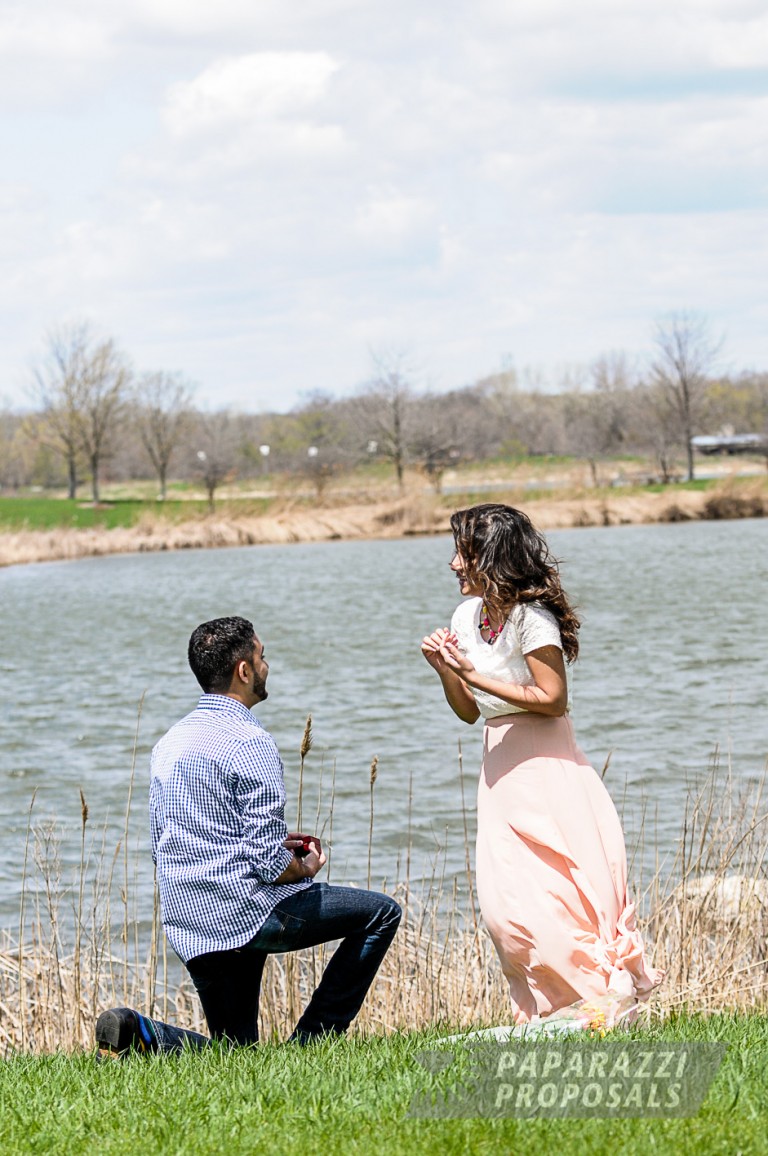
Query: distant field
{"points": [[54, 513], [49, 513], [129, 504]]}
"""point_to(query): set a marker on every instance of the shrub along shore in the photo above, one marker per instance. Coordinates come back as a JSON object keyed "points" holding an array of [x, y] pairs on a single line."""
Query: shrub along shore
{"points": [[42, 530]]}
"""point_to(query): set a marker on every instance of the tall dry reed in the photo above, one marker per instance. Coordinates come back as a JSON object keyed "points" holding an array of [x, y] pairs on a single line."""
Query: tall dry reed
{"points": [[304, 749], [705, 916], [709, 909], [371, 783]]}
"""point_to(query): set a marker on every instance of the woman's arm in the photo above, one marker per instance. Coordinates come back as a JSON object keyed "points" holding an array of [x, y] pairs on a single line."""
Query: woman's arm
{"points": [[548, 695], [457, 694]]}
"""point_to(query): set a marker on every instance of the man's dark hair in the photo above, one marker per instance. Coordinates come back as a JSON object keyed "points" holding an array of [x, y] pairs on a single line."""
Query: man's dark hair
{"points": [[215, 649]]}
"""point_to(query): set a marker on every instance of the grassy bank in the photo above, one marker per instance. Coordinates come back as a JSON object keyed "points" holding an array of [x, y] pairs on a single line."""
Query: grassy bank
{"points": [[352, 1096], [39, 529], [52, 513]]}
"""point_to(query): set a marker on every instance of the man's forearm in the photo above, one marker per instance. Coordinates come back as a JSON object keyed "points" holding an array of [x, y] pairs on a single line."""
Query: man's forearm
{"points": [[296, 870]]}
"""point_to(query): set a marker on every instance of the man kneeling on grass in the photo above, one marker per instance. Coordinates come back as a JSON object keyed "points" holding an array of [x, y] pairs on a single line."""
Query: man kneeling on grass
{"points": [[235, 886]]}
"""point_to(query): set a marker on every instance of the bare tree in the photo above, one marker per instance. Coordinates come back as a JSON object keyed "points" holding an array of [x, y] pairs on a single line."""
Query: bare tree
{"points": [[103, 395], [685, 354], [218, 441], [597, 419], [44, 465], [520, 420], [322, 439], [650, 431], [162, 419], [436, 439], [57, 382], [82, 383], [12, 464], [383, 409]]}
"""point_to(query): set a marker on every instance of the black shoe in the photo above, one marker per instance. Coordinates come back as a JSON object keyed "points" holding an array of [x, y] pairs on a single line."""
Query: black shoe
{"points": [[121, 1030]]}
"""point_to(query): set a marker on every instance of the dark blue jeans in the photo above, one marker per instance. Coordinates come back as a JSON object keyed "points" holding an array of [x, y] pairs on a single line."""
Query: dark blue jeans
{"points": [[229, 982]]}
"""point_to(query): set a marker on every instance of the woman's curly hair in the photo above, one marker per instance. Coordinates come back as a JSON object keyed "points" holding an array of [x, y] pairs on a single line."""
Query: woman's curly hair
{"points": [[508, 557]]}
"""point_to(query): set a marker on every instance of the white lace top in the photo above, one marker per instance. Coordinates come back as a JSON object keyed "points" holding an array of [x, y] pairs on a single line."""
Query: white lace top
{"points": [[528, 627]]}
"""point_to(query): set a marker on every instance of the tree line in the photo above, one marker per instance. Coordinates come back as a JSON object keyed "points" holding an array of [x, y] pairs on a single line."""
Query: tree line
{"points": [[90, 413]]}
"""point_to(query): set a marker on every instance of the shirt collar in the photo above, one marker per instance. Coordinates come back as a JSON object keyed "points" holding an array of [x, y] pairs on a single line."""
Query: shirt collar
{"points": [[223, 704]]}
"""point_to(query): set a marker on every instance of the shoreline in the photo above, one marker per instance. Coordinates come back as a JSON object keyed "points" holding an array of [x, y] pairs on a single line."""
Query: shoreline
{"points": [[410, 516]]}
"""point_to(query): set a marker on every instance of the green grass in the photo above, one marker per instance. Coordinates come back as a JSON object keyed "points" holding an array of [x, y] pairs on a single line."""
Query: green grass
{"points": [[349, 1096], [55, 513], [516, 457], [530, 493], [698, 484], [42, 513]]}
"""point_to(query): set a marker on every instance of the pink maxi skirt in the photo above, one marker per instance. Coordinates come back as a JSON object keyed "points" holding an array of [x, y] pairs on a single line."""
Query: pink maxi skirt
{"points": [[552, 871]]}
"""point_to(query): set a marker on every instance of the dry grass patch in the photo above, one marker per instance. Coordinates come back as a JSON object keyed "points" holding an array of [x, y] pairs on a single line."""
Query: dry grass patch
{"points": [[706, 919]]}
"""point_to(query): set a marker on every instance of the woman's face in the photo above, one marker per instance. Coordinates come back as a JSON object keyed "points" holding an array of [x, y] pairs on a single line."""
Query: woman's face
{"points": [[466, 586]]}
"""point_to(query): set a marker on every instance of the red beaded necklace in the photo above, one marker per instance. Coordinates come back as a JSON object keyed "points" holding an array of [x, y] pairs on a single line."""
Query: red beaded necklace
{"points": [[485, 624]]}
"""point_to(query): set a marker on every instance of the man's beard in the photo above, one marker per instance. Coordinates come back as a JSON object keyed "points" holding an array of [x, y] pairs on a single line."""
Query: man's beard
{"points": [[259, 688]]}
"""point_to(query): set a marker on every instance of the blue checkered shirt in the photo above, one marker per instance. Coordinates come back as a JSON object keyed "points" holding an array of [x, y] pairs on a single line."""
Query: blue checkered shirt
{"points": [[216, 802]]}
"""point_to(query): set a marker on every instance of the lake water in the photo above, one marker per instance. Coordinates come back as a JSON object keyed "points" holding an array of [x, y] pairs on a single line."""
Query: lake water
{"points": [[673, 668]]}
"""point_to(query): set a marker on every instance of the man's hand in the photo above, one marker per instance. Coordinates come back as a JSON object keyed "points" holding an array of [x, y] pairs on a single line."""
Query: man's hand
{"points": [[313, 861], [301, 844], [309, 857]]}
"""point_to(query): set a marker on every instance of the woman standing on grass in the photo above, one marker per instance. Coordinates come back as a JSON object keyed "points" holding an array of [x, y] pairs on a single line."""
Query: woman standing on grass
{"points": [[551, 863]]}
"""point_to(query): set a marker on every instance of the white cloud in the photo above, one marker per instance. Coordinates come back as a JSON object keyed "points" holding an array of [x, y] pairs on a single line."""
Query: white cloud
{"points": [[268, 19], [389, 217], [622, 156], [261, 85], [48, 54], [742, 45], [631, 43], [54, 35]]}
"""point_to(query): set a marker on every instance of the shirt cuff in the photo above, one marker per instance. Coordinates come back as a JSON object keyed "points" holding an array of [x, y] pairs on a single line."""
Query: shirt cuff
{"points": [[279, 864]]}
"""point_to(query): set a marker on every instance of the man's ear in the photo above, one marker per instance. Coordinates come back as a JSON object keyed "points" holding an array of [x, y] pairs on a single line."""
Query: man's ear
{"points": [[241, 670]]}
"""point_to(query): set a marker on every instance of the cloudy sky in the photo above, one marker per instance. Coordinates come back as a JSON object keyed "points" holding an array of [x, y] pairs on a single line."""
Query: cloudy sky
{"points": [[257, 193]]}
